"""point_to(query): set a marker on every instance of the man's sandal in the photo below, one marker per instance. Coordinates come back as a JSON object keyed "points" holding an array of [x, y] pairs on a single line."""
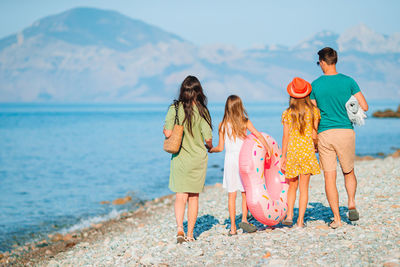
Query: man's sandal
{"points": [[354, 215]]}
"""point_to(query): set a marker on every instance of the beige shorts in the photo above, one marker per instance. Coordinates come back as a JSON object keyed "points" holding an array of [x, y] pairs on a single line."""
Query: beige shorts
{"points": [[340, 143]]}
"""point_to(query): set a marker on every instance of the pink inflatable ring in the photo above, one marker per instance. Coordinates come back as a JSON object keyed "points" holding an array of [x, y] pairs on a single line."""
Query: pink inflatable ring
{"points": [[263, 181]]}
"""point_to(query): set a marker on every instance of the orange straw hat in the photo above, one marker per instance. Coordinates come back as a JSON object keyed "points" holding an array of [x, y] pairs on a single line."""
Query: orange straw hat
{"points": [[299, 88]]}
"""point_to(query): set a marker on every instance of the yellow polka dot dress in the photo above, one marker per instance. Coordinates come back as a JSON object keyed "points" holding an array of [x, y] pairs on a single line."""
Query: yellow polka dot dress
{"points": [[300, 157]]}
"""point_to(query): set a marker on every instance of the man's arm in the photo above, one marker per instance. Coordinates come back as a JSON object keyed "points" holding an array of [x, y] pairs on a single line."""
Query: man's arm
{"points": [[361, 101]]}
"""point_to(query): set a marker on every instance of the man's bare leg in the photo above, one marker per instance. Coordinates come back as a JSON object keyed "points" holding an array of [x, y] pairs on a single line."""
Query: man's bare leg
{"points": [[332, 195], [350, 182]]}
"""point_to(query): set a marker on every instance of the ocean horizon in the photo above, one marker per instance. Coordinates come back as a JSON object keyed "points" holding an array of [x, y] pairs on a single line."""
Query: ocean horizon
{"points": [[59, 161]]}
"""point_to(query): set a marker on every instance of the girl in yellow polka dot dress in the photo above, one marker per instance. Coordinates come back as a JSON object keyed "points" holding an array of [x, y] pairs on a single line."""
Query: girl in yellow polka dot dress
{"points": [[300, 124]]}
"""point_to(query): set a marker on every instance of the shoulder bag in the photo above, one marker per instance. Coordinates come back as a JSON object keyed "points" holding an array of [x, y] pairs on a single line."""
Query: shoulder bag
{"points": [[173, 143]]}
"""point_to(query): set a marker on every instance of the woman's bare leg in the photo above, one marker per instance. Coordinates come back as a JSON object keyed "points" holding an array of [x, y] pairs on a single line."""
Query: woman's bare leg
{"points": [[193, 208], [180, 204]]}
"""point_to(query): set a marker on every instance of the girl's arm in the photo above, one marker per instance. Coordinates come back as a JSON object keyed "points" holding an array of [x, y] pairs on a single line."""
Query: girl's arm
{"points": [[221, 142], [314, 102], [285, 141], [315, 135], [260, 137]]}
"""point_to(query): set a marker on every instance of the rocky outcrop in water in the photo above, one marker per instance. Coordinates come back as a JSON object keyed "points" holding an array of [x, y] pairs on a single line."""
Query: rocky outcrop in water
{"points": [[388, 113]]}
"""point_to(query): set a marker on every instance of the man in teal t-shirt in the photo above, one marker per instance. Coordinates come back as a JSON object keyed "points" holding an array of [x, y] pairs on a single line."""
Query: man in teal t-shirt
{"points": [[332, 92], [336, 137]]}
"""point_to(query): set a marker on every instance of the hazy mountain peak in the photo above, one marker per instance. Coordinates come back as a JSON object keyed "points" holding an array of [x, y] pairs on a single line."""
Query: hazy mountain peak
{"points": [[363, 39], [92, 26], [318, 41]]}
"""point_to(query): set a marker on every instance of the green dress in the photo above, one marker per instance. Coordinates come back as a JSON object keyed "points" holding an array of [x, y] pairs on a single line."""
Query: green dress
{"points": [[189, 165]]}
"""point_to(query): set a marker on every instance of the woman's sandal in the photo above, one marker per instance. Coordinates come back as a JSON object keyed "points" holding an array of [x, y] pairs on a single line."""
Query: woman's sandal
{"points": [[334, 225], [180, 237]]}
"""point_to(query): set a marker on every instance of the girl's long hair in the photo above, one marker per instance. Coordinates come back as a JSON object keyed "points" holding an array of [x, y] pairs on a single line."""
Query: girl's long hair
{"points": [[236, 115], [191, 93], [299, 108]]}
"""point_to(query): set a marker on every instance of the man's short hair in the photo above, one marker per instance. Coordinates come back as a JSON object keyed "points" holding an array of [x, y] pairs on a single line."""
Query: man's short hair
{"points": [[328, 55]]}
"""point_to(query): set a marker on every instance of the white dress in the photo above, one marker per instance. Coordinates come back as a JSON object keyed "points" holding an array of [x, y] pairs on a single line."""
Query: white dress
{"points": [[232, 181]]}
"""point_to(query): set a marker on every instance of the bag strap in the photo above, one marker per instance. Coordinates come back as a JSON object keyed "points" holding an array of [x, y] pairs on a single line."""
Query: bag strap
{"points": [[176, 104]]}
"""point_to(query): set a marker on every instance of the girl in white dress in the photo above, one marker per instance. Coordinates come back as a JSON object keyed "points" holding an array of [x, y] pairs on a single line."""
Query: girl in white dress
{"points": [[232, 132]]}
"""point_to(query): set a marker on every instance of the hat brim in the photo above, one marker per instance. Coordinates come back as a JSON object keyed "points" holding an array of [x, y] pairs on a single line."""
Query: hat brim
{"points": [[292, 93]]}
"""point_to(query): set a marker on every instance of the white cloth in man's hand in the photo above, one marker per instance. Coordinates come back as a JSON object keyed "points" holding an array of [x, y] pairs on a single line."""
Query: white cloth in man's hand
{"points": [[355, 112]]}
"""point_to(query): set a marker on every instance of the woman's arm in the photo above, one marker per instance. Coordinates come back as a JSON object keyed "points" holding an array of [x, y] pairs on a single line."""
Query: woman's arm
{"points": [[285, 141], [209, 144], [221, 142], [169, 121], [167, 133], [259, 136], [361, 101]]}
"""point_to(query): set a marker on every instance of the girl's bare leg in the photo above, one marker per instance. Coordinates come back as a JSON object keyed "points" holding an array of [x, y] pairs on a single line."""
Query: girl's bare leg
{"points": [[244, 207], [232, 210], [303, 199], [291, 197]]}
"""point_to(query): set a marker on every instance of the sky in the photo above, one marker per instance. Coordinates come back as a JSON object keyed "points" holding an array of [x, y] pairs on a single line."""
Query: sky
{"points": [[244, 24]]}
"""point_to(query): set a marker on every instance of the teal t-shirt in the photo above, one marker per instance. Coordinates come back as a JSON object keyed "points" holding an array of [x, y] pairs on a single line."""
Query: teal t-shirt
{"points": [[331, 93]]}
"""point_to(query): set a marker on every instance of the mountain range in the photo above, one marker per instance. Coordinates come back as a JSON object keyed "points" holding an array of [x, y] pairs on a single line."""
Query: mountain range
{"points": [[93, 55]]}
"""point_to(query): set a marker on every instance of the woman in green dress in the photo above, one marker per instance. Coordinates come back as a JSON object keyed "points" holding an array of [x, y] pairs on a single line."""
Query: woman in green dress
{"points": [[189, 165]]}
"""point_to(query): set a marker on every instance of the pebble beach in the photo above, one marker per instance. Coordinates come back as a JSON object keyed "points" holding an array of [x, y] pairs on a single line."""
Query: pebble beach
{"points": [[146, 237]]}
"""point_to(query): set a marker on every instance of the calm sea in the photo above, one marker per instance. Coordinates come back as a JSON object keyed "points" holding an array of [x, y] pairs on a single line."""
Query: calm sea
{"points": [[57, 162]]}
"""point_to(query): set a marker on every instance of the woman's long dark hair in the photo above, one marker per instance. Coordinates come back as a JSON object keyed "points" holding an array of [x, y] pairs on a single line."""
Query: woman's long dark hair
{"points": [[191, 93]]}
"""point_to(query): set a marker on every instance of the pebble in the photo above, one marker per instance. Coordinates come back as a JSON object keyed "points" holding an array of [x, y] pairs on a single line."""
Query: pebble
{"points": [[67, 237], [96, 225], [121, 201], [57, 237], [53, 263], [147, 259], [219, 253], [267, 255], [372, 241]]}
